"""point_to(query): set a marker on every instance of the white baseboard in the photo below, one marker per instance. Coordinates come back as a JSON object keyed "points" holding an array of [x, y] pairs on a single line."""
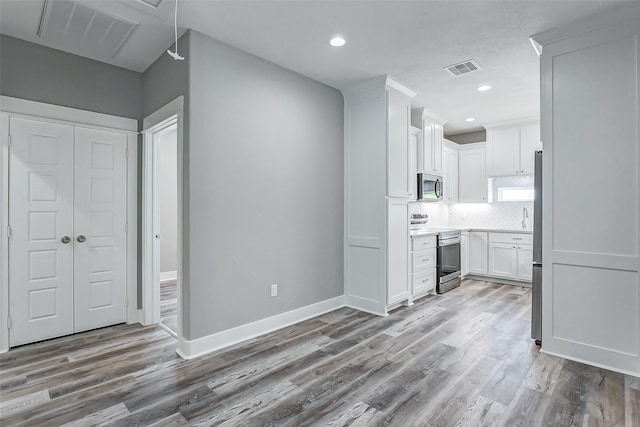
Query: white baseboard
{"points": [[168, 275], [201, 346], [586, 362]]}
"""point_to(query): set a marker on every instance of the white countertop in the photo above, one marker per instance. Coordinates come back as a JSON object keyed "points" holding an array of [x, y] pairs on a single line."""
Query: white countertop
{"points": [[433, 232]]}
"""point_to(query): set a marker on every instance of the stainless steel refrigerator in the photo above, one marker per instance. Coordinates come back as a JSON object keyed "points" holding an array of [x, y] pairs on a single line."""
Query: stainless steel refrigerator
{"points": [[536, 294]]}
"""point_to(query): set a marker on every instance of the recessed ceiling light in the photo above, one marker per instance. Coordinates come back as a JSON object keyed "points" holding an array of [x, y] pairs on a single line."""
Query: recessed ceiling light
{"points": [[337, 41], [484, 88], [470, 119]]}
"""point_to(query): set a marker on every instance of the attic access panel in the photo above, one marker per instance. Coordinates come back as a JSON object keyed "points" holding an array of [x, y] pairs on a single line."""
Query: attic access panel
{"points": [[78, 25]]}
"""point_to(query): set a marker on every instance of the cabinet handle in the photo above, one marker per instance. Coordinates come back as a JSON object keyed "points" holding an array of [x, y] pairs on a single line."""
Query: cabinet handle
{"points": [[514, 247], [516, 238], [425, 260], [81, 238], [65, 239]]}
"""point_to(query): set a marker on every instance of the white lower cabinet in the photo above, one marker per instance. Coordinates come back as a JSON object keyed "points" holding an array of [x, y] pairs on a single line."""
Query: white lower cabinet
{"points": [[503, 260], [397, 251], [423, 265], [511, 256], [525, 262], [478, 252], [464, 253]]}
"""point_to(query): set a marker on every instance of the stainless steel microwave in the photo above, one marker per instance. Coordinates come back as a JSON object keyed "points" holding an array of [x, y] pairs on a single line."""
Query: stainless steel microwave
{"points": [[429, 187]]}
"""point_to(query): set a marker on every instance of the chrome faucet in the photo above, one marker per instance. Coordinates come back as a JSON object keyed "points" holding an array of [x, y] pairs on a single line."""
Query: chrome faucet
{"points": [[525, 215]]}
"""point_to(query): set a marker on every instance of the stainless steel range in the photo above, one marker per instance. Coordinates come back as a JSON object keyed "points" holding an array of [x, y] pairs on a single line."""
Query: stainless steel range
{"points": [[448, 260]]}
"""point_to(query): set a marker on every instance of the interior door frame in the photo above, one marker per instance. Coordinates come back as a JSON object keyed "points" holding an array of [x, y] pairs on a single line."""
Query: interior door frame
{"points": [[153, 125], [32, 110]]}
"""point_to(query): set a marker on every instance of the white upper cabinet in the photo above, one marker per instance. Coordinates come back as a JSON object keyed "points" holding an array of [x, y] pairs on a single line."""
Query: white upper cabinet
{"points": [[472, 176], [511, 149], [529, 144], [400, 176], [450, 174], [414, 134], [429, 142]]}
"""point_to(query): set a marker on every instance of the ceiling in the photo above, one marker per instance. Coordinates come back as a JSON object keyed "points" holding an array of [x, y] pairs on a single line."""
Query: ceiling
{"points": [[410, 40]]}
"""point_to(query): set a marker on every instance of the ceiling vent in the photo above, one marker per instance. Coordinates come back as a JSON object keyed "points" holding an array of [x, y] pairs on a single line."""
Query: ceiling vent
{"points": [[152, 3], [461, 68], [80, 26]]}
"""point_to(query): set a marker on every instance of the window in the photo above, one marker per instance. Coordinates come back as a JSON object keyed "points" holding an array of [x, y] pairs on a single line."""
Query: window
{"points": [[515, 194]]}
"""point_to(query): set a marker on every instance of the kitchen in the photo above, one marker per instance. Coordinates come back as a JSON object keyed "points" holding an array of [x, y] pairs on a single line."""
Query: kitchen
{"points": [[454, 211]]}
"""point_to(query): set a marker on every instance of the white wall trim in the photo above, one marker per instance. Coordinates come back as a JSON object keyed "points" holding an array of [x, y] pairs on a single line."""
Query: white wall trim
{"points": [[168, 275], [201, 346], [132, 228], [591, 363], [16, 107], [44, 111]]}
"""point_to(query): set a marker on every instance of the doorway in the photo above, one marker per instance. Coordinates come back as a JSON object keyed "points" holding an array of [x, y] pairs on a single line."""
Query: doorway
{"points": [[162, 219], [166, 144]]}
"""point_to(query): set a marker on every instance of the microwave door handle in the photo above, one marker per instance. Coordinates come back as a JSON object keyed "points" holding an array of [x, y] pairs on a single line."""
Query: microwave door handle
{"points": [[435, 188]]}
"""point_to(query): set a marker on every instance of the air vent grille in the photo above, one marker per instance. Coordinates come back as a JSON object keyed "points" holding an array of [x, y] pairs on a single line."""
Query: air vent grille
{"points": [[80, 26], [461, 68]]}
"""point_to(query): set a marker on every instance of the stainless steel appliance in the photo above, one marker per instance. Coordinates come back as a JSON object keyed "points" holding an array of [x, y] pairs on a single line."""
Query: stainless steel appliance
{"points": [[448, 260], [429, 187], [536, 291]]}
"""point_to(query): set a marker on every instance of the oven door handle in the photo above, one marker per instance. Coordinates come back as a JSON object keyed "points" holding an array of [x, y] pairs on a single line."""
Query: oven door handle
{"points": [[449, 242]]}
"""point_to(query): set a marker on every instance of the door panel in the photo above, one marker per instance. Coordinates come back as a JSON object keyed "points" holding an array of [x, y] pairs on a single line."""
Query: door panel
{"points": [[40, 214], [525, 262], [100, 261]]}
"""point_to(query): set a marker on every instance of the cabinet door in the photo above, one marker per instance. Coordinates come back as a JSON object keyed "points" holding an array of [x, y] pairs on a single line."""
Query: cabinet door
{"points": [[425, 148], [438, 136], [529, 144], [525, 262], [472, 175], [451, 180], [503, 260], [503, 152], [398, 238], [478, 252], [413, 164], [464, 254], [398, 144]]}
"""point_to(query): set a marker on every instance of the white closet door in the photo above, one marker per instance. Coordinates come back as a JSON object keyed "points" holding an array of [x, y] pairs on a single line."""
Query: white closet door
{"points": [[100, 217], [41, 215]]}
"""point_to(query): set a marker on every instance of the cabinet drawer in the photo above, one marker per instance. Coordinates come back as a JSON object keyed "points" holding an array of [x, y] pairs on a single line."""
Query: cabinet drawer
{"points": [[423, 281], [423, 259], [423, 242], [516, 238]]}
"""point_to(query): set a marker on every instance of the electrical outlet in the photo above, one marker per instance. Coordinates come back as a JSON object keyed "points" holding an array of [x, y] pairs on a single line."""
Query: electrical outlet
{"points": [[274, 290]]}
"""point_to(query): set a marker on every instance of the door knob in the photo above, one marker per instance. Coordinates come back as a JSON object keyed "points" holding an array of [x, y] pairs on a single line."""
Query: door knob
{"points": [[65, 239], [81, 238]]}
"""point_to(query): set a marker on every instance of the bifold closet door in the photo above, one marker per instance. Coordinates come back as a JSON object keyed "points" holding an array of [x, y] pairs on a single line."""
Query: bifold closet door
{"points": [[41, 218], [99, 225]]}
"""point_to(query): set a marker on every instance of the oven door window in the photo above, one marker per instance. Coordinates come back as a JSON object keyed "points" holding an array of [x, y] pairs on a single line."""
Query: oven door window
{"points": [[449, 259]]}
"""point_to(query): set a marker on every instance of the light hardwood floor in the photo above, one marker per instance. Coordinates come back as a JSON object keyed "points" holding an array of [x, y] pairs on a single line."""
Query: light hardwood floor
{"points": [[169, 304], [460, 359]]}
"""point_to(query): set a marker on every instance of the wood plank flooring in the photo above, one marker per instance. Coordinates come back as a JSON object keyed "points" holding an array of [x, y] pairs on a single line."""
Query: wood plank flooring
{"points": [[169, 304], [460, 359]]}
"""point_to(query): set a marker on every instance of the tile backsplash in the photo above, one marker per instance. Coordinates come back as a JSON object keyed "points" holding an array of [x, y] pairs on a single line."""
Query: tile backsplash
{"points": [[506, 215], [438, 212]]}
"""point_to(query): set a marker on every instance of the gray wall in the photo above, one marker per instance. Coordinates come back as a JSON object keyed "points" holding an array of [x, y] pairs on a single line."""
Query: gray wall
{"points": [[469, 137], [168, 200], [266, 188], [165, 80], [38, 73]]}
